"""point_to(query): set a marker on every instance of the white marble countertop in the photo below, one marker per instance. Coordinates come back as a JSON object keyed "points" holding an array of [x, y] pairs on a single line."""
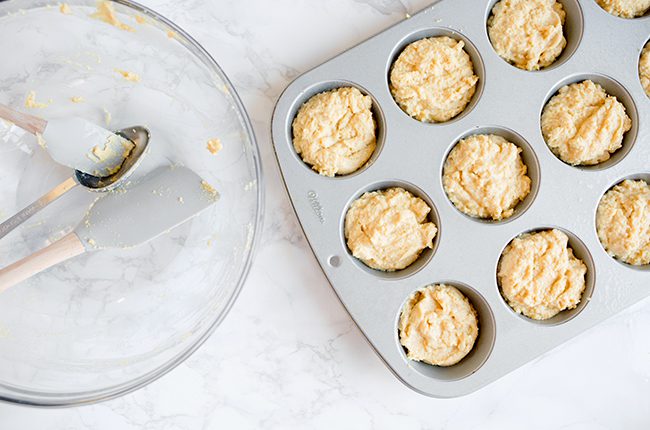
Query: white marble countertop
{"points": [[288, 356]]}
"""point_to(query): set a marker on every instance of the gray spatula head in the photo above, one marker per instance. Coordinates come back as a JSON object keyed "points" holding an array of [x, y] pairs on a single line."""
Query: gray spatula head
{"points": [[164, 199], [85, 146]]}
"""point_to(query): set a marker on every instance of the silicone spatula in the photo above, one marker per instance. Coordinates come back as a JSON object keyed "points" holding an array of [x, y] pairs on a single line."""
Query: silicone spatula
{"points": [[75, 142], [164, 199]]}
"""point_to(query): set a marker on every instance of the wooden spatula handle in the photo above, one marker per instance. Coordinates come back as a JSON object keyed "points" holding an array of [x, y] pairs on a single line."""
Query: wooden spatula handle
{"points": [[67, 247], [30, 123]]}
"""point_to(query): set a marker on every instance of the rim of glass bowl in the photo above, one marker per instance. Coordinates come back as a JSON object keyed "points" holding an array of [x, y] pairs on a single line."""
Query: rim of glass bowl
{"points": [[33, 398]]}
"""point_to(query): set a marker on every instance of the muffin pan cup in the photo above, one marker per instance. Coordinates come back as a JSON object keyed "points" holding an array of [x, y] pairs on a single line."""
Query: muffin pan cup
{"points": [[467, 252]]}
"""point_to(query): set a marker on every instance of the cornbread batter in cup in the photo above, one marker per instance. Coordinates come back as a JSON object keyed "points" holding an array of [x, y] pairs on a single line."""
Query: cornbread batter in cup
{"points": [[644, 68], [528, 33], [623, 222], [334, 131], [539, 276], [625, 8], [583, 125], [485, 177], [433, 79], [438, 325], [388, 229]]}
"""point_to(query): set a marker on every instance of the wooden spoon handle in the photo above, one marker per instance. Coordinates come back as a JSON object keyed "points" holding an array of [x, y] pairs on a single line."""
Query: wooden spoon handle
{"points": [[30, 123], [63, 249]]}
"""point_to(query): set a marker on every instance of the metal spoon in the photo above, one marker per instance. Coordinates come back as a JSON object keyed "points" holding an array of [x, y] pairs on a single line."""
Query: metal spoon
{"points": [[138, 135]]}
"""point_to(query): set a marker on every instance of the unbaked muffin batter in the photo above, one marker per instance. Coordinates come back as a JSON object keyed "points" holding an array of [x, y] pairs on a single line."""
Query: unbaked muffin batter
{"points": [[334, 131], [485, 177], [433, 79], [438, 325], [527, 33], [623, 222], [583, 125], [644, 68], [539, 276], [388, 229], [625, 8]]}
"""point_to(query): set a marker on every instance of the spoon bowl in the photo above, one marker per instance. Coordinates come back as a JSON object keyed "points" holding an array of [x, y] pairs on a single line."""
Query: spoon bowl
{"points": [[140, 136]]}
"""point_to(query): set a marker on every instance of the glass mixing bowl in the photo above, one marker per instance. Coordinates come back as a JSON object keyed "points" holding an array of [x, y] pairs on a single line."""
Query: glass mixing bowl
{"points": [[111, 321]]}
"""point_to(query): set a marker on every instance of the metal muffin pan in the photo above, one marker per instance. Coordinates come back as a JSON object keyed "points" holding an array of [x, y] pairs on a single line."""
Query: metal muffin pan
{"points": [[466, 251]]}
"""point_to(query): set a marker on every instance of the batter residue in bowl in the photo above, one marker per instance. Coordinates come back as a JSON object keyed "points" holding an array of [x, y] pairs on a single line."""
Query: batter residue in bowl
{"points": [[129, 76], [31, 103], [106, 12], [214, 146]]}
